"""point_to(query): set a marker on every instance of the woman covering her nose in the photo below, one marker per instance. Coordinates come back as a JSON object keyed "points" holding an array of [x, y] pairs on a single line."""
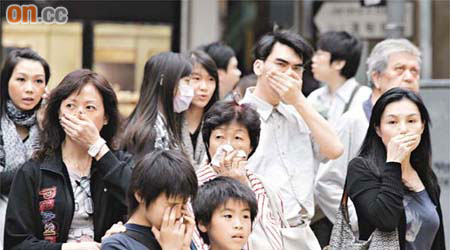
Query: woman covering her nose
{"points": [[231, 135], [391, 182], [74, 188]]}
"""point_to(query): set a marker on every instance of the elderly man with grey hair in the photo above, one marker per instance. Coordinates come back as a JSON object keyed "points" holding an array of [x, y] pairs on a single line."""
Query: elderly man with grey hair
{"points": [[392, 63]]}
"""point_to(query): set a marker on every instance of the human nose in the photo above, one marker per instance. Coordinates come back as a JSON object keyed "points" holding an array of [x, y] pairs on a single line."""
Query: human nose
{"points": [[237, 223], [403, 128], [202, 84], [28, 87], [79, 111]]}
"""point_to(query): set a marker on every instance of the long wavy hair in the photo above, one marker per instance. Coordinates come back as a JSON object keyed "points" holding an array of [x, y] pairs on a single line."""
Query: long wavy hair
{"points": [[53, 135]]}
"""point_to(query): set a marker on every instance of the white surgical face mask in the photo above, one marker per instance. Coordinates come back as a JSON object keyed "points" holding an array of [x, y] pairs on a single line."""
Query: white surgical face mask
{"points": [[183, 99]]}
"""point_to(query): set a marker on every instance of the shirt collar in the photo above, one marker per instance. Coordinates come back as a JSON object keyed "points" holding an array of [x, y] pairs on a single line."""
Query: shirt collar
{"points": [[264, 108]]}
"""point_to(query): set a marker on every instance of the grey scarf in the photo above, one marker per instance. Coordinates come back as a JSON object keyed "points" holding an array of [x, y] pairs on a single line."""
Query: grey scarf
{"points": [[14, 151], [199, 155]]}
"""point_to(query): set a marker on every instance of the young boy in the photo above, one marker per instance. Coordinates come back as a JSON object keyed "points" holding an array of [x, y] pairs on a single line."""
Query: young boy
{"points": [[224, 210], [160, 186]]}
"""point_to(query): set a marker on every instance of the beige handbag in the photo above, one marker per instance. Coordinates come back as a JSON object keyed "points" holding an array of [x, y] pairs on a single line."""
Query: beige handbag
{"points": [[300, 237]]}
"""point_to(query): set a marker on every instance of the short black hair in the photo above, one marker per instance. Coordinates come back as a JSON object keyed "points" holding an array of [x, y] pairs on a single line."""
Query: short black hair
{"points": [[161, 171], [342, 46], [225, 112], [220, 53], [217, 192], [263, 47], [202, 58]]}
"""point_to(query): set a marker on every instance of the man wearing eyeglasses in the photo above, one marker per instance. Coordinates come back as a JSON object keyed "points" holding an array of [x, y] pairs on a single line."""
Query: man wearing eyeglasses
{"points": [[294, 137]]}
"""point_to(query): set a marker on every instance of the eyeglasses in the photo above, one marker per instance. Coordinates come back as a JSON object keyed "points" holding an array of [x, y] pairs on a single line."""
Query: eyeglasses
{"points": [[83, 186], [283, 66]]}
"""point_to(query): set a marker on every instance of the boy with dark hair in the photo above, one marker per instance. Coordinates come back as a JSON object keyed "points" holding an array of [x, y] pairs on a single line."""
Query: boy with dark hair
{"points": [[160, 186], [225, 210], [227, 65]]}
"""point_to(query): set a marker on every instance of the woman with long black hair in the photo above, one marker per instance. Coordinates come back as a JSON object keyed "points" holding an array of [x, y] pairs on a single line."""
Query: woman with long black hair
{"points": [[24, 77], [391, 182], [155, 123]]}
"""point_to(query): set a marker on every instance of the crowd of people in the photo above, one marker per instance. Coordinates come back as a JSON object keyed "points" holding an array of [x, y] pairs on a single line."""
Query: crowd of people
{"points": [[210, 160]]}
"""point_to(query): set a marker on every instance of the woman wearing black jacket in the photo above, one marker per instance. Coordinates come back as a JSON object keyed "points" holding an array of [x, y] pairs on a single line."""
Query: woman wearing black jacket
{"points": [[74, 188], [391, 182]]}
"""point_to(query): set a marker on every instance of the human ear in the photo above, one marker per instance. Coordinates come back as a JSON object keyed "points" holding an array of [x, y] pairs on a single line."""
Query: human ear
{"points": [[138, 197], [375, 78], [202, 227], [222, 74], [377, 130], [258, 66], [338, 64]]}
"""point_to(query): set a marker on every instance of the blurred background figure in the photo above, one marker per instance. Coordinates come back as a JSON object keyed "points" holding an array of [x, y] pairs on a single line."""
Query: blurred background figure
{"points": [[244, 83], [335, 64], [227, 66]]}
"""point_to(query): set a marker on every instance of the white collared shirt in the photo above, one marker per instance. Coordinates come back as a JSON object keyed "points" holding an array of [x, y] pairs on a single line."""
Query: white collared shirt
{"points": [[332, 106], [286, 154], [330, 177]]}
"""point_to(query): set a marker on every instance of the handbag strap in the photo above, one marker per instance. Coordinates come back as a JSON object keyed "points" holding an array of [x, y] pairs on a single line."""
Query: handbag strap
{"points": [[146, 241], [344, 204], [347, 105]]}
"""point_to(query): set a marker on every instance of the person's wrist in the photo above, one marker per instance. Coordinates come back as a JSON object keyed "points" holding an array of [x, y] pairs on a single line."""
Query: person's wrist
{"points": [[393, 160], [95, 148], [103, 150]]}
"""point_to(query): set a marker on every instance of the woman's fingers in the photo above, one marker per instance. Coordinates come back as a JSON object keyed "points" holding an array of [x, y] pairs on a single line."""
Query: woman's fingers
{"points": [[68, 122], [228, 160]]}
